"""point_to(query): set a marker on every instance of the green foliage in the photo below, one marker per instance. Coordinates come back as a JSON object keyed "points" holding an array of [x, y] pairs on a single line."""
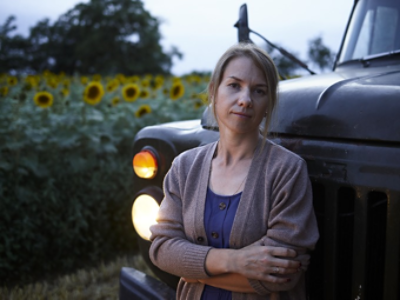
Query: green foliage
{"points": [[101, 36], [13, 49], [66, 174], [285, 66], [320, 54]]}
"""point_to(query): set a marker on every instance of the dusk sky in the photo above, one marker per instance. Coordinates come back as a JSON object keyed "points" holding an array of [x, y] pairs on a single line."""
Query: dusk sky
{"points": [[203, 30]]}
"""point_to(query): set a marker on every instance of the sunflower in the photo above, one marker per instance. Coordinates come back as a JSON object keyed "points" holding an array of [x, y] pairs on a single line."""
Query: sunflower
{"points": [[96, 77], [112, 85], [46, 73], [32, 81], [145, 83], [198, 104], [93, 93], [196, 79], [43, 99], [12, 80], [64, 92], [176, 79], [158, 82], [84, 80], [4, 91], [121, 78], [134, 79], [52, 82], [66, 83], [204, 98], [144, 94], [177, 90], [193, 79], [143, 110], [115, 101], [130, 92]]}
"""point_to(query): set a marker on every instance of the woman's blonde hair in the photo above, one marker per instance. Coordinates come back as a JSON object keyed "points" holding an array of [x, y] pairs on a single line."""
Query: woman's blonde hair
{"points": [[262, 60]]}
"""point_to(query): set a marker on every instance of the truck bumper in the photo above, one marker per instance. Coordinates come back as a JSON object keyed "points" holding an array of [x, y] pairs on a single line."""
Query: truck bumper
{"points": [[134, 284]]}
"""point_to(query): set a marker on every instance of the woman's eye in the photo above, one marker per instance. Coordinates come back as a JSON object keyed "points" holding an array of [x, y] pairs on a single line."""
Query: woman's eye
{"points": [[260, 92], [234, 85]]}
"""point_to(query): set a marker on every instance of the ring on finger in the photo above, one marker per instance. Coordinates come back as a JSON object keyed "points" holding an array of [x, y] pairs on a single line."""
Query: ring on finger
{"points": [[276, 270]]}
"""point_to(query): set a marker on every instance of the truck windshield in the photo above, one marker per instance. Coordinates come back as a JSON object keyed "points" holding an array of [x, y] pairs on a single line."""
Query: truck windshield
{"points": [[374, 29]]}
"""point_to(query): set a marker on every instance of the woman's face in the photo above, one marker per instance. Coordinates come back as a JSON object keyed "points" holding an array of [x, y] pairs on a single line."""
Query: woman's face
{"points": [[241, 99]]}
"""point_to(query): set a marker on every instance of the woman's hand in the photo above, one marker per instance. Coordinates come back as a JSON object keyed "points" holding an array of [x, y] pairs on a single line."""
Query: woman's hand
{"points": [[266, 263]]}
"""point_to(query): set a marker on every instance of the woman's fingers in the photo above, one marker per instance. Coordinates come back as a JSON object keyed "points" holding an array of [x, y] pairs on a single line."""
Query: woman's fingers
{"points": [[283, 263], [281, 252], [283, 271], [275, 279], [267, 263]]}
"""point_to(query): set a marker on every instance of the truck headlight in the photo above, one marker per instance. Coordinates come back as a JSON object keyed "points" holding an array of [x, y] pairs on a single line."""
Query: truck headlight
{"points": [[144, 213], [145, 163]]}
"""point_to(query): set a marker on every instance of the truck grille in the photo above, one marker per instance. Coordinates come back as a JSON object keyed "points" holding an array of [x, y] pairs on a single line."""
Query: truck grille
{"points": [[356, 197], [347, 256]]}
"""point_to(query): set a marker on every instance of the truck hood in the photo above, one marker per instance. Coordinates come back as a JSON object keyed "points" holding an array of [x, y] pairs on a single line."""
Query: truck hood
{"points": [[357, 104]]}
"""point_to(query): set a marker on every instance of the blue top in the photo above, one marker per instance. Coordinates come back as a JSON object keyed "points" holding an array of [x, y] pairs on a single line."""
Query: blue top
{"points": [[219, 213]]}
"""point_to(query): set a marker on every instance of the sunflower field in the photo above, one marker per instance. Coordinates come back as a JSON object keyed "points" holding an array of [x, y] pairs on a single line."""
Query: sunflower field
{"points": [[65, 164]]}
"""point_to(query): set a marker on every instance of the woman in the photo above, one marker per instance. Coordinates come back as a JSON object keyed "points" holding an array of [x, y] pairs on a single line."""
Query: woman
{"points": [[237, 220]]}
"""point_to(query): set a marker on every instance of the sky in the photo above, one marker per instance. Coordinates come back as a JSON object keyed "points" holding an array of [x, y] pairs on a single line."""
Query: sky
{"points": [[203, 30]]}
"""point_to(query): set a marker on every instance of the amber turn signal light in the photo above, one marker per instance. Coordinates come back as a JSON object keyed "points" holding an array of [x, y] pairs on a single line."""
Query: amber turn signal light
{"points": [[145, 164]]}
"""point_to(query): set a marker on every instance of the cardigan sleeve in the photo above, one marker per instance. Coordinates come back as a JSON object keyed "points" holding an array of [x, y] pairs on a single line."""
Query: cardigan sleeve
{"points": [[170, 250], [292, 222]]}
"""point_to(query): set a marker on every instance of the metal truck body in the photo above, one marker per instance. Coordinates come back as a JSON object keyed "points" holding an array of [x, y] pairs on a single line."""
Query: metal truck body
{"points": [[346, 125]]}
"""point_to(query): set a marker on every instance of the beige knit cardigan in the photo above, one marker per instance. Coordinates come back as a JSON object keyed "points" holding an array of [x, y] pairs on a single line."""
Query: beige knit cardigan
{"points": [[275, 209]]}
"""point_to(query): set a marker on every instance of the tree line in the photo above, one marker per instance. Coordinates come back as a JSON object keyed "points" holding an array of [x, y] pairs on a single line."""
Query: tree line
{"points": [[107, 37], [101, 36]]}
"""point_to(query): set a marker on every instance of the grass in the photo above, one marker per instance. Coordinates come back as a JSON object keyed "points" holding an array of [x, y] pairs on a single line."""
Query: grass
{"points": [[98, 283]]}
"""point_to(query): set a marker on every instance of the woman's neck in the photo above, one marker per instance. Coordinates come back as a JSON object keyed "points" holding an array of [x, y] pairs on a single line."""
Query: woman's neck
{"points": [[232, 160], [236, 148]]}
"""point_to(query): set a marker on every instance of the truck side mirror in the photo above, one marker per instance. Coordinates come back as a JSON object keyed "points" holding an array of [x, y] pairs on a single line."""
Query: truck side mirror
{"points": [[242, 25]]}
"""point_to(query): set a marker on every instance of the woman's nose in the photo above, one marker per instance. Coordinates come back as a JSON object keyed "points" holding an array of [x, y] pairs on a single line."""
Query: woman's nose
{"points": [[245, 98]]}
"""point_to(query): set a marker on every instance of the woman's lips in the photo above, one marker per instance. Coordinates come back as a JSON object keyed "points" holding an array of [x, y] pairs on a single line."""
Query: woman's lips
{"points": [[242, 115]]}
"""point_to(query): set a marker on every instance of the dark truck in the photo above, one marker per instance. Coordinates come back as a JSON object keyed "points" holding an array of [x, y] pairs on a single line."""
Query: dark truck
{"points": [[346, 125]]}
